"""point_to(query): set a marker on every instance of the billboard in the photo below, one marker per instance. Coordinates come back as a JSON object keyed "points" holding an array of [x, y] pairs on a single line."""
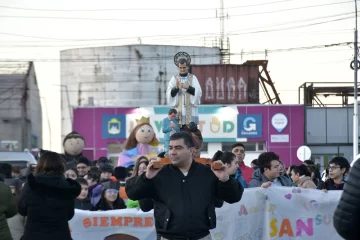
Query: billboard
{"points": [[279, 127], [228, 84], [282, 128]]}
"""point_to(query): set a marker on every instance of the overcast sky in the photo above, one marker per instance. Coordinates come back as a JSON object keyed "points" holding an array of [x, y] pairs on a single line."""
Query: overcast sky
{"points": [[33, 30]]}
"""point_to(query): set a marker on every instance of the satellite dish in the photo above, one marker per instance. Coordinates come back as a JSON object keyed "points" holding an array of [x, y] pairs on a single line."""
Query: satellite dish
{"points": [[355, 159], [303, 153]]}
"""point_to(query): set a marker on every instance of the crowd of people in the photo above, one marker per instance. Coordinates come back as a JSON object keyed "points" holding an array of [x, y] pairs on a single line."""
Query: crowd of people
{"points": [[38, 204]]}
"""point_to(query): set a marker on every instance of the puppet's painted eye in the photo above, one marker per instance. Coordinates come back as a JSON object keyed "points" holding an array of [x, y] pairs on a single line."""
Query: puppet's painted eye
{"points": [[142, 129]]}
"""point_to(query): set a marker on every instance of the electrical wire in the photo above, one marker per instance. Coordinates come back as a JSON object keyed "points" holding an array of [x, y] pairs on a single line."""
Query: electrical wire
{"points": [[141, 9], [119, 59], [166, 20], [152, 36], [254, 32]]}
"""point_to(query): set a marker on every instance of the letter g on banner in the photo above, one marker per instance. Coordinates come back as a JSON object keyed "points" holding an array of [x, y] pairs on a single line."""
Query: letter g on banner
{"points": [[249, 124]]}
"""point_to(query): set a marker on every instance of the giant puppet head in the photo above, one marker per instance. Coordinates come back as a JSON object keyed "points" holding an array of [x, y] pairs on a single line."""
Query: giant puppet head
{"points": [[141, 142], [73, 144], [143, 133]]}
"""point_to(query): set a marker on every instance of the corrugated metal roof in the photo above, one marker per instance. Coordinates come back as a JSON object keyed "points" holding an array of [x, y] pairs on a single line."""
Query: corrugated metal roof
{"points": [[14, 68]]}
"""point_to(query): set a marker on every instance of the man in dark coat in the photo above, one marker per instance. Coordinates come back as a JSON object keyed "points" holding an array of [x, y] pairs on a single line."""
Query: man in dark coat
{"points": [[184, 192]]}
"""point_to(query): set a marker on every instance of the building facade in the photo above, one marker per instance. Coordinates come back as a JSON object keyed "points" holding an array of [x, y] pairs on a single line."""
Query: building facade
{"points": [[20, 107], [278, 128], [329, 133], [121, 76]]}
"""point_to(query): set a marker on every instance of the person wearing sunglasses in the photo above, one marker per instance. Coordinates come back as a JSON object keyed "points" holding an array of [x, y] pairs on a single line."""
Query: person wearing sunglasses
{"points": [[110, 199]]}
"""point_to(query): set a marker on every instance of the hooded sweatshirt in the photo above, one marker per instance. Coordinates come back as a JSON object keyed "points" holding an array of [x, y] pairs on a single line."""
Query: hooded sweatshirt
{"points": [[258, 178]]}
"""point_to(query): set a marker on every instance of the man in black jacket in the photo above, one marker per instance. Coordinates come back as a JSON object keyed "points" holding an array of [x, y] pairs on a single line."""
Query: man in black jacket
{"points": [[184, 192], [347, 213]]}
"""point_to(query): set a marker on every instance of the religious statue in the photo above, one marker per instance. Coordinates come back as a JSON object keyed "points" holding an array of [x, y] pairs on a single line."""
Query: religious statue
{"points": [[184, 91]]}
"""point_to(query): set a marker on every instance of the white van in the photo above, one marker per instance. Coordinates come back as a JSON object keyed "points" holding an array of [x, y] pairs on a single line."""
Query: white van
{"points": [[18, 158]]}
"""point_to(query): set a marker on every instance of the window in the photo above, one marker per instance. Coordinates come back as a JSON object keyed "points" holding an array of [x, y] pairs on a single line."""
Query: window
{"points": [[249, 146], [261, 147], [114, 148]]}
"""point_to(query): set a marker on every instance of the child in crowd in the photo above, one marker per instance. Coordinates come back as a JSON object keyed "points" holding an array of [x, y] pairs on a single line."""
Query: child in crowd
{"points": [[82, 201], [110, 199], [71, 172], [140, 167]]}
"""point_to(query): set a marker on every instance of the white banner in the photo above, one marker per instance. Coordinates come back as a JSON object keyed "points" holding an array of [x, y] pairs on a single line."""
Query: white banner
{"points": [[274, 213], [221, 123]]}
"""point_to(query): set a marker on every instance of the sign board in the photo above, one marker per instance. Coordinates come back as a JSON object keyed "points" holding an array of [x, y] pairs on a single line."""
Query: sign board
{"points": [[250, 126], [273, 214], [228, 84], [304, 153]]}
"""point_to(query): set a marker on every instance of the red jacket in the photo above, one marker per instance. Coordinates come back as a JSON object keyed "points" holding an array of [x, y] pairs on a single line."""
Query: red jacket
{"points": [[246, 172]]}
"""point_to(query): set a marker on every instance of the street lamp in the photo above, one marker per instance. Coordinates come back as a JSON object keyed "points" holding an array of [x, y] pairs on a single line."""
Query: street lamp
{"points": [[356, 118]]}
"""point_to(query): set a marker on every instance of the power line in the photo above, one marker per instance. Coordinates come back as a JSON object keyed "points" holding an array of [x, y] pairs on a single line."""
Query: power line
{"points": [[152, 36], [166, 20], [254, 32], [141, 9], [295, 27], [119, 59]]}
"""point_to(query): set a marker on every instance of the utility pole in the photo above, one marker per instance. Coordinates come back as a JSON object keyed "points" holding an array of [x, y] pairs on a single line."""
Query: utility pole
{"points": [[356, 117], [224, 47]]}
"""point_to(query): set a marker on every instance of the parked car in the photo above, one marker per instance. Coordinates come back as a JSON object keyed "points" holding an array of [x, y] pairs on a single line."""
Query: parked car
{"points": [[18, 158]]}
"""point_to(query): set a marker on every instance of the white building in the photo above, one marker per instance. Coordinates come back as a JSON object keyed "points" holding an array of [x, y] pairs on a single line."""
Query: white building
{"points": [[20, 107], [121, 76]]}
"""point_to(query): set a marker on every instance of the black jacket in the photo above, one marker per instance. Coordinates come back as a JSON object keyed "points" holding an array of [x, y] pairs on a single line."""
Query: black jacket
{"points": [[184, 205], [147, 204], [347, 213], [330, 185], [48, 203], [83, 204]]}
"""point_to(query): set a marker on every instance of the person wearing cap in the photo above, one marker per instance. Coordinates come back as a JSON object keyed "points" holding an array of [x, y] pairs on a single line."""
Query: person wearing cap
{"points": [[110, 199], [83, 166], [106, 171]]}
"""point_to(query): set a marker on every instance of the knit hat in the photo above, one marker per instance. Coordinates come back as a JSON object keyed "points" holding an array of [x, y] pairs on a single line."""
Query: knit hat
{"points": [[106, 167], [111, 185], [103, 160], [73, 134]]}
